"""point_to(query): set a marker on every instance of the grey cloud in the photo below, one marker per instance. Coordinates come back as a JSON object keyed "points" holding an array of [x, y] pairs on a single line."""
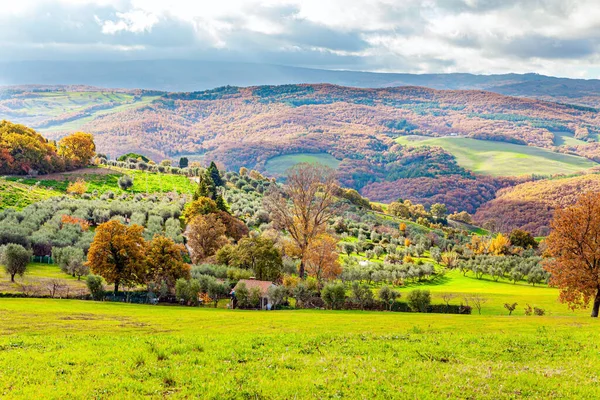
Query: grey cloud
{"points": [[71, 31], [549, 47]]}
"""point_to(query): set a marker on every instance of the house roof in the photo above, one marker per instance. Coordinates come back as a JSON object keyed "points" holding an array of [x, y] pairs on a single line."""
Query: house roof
{"points": [[252, 283]]}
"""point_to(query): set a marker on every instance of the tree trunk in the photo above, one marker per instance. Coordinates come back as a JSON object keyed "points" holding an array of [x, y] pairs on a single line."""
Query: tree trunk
{"points": [[12, 277], [116, 287], [596, 304], [301, 270]]}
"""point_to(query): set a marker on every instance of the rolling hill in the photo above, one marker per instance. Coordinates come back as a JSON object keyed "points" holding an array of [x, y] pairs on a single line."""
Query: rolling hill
{"points": [[531, 205], [458, 147], [193, 75], [503, 159], [248, 126]]}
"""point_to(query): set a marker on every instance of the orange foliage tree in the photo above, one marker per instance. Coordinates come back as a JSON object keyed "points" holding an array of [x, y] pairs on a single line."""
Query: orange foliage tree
{"points": [[573, 243], [164, 261], [118, 253], [322, 258], [78, 148], [310, 189], [68, 219]]}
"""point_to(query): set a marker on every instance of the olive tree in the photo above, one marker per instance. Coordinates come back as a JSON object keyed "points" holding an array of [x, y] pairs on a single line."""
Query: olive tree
{"points": [[15, 258]]}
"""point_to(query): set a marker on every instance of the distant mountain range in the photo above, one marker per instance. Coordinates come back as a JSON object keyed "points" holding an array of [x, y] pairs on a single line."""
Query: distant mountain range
{"points": [[180, 76]]}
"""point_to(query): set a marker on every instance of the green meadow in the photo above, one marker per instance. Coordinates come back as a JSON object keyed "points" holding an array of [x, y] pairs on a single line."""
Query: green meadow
{"points": [[502, 159], [280, 164], [104, 179], [73, 349]]}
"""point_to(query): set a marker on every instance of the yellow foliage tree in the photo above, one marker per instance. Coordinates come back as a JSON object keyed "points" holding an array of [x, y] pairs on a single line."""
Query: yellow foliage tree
{"points": [[78, 148], [499, 245], [164, 261], [78, 187]]}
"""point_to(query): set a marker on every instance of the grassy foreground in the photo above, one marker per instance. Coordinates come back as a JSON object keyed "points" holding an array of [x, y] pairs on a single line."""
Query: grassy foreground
{"points": [[503, 159], [77, 349]]}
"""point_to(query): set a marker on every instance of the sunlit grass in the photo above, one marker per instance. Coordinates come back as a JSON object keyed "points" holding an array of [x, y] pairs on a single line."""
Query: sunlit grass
{"points": [[77, 349]]}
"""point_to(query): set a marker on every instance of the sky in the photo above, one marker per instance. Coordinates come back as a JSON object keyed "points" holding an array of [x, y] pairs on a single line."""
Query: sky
{"points": [[552, 37]]}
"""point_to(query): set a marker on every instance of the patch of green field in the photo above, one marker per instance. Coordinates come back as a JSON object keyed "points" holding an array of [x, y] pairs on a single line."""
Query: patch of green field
{"points": [[143, 181], [496, 293], [39, 276], [19, 195], [80, 350], [562, 138], [280, 164], [503, 159]]}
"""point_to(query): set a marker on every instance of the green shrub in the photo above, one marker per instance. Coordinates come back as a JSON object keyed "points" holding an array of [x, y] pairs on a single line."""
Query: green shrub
{"points": [[94, 285], [419, 300], [334, 295]]}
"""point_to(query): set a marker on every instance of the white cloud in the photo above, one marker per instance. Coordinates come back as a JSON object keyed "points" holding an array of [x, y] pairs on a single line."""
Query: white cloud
{"points": [[136, 21], [560, 37]]}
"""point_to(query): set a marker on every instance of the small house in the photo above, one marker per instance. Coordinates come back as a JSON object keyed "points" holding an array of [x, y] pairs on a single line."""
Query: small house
{"points": [[263, 286]]}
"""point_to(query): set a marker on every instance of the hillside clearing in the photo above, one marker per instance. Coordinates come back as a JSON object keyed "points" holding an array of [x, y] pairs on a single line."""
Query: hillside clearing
{"points": [[503, 159], [280, 164]]}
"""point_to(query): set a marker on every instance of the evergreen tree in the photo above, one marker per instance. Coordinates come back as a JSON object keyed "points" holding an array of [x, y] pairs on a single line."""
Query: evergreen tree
{"points": [[183, 162], [203, 189], [215, 175], [221, 205]]}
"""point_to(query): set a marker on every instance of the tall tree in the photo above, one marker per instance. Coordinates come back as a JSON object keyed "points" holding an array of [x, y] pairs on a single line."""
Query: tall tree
{"points": [[310, 189], [575, 247], [118, 253], [206, 235], [183, 162], [78, 148], [214, 174], [164, 261]]}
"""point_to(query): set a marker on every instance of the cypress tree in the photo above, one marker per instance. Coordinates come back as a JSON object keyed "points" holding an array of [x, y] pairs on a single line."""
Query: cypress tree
{"points": [[221, 205], [215, 174]]}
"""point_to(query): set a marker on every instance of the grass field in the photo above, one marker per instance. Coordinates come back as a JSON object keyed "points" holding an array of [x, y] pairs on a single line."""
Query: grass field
{"points": [[19, 195], [39, 276], [75, 349], [105, 179], [503, 159], [280, 164]]}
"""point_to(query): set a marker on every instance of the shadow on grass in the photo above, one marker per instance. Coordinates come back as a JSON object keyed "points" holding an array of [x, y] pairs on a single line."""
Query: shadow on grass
{"points": [[437, 281]]}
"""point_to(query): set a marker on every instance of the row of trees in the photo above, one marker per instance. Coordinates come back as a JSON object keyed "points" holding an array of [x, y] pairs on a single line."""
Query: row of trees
{"points": [[121, 255]]}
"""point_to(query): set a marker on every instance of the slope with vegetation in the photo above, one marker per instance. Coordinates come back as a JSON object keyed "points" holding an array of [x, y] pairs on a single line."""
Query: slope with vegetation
{"points": [[531, 205], [503, 159]]}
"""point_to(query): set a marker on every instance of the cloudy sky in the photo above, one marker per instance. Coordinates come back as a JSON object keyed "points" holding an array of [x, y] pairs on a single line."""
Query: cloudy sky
{"points": [[554, 37]]}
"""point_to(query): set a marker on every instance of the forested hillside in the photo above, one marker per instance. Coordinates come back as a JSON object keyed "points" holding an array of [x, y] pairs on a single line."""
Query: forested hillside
{"points": [[456, 147]]}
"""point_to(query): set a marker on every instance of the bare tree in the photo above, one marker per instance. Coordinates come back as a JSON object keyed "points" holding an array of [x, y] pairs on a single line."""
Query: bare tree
{"points": [[447, 298], [510, 307], [477, 301], [305, 205], [55, 286]]}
